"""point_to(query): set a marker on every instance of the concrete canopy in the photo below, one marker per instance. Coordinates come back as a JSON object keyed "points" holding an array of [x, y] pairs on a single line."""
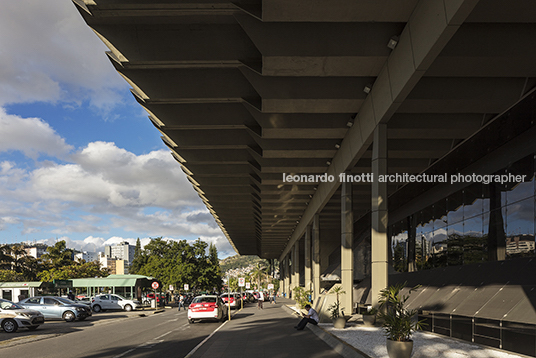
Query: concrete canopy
{"points": [[246, 91]]}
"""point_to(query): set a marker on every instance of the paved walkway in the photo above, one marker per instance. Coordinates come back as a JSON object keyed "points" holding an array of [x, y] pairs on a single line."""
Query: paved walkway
{"points": [[269, 333]]}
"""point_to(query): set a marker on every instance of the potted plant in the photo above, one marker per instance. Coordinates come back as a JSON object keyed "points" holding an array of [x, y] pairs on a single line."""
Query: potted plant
{"points": [[369, 316], [336, 312], [399, 323]]}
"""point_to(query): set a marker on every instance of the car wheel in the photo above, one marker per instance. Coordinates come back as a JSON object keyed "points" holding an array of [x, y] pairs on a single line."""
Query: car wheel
{"points": [[33, 328], [128, 308], [9, 326], [69, 316], [97, 308]]}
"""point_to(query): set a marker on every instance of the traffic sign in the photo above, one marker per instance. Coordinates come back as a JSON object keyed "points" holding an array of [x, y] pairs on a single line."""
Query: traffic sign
{"points": [[248, 285], [241, 282], [270, 286], [154, 285], [186, 287]]}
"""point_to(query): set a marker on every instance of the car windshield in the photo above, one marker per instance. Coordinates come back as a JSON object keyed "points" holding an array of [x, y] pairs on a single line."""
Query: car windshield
{"points": [[8, 305], [204, 300]]}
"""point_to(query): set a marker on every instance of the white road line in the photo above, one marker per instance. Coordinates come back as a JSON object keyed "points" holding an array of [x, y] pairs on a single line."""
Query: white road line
{"points": [[163, 335], [124, 353], [204, 341]]}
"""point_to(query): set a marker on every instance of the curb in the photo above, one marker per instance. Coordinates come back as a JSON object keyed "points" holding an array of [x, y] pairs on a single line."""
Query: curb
{"points": [[158, 311], [338, 345]]}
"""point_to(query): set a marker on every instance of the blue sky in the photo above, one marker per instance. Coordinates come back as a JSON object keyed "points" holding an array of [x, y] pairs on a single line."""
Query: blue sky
{"points": [[79, 159]]}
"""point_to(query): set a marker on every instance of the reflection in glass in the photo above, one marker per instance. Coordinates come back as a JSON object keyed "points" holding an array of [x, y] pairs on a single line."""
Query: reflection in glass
{"points": [[473, 241], [520, 229], [398, 243], [455, 244], [438, 247]]}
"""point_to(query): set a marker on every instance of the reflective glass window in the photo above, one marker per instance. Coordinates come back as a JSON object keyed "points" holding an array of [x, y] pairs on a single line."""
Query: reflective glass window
{"points": [[455, 244], [473, 240], [520, 228]]}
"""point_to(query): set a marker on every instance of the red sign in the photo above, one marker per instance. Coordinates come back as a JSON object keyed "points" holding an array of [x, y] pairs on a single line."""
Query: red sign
{"points": [[154, 285]]}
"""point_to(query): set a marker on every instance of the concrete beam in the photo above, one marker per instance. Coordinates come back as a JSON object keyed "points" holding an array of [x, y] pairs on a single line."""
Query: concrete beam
{"points": [[430, 27]]}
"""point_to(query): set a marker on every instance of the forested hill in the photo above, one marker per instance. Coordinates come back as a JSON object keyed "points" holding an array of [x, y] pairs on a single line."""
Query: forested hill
{"points": [[240, 261]]}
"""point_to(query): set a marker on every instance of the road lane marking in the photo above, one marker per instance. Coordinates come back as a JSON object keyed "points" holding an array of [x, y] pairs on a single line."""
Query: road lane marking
{"points": [[204, 341]]}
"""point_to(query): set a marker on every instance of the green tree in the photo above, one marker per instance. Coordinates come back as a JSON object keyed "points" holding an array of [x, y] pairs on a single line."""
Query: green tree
{"points": [[57, 256], [178, 263], [74, 270], [11, 276], [137, 262]]}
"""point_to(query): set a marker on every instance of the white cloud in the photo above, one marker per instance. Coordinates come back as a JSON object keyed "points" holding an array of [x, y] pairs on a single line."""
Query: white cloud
{"points": [[50, 55], [96, 244], [32, 136], [99, 189]]}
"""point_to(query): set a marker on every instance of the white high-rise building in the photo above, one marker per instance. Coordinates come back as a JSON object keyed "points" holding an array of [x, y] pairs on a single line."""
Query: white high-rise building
{"points": [[122, 251], [87, 256]]}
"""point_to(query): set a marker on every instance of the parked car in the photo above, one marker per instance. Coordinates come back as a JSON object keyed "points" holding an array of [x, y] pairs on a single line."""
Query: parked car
{"points": [[233, 298], [14, 316], [113, 302], [206, 307], [83, 300], [53, 307], [150, 296]]}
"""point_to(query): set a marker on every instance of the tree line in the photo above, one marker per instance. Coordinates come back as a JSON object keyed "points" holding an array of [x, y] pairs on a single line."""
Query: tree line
{"points": [[16, 265], [177, 263], [170, 262]]}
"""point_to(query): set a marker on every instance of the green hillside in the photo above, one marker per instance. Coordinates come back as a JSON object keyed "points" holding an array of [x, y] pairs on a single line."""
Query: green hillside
{"points": [[240, 261]]}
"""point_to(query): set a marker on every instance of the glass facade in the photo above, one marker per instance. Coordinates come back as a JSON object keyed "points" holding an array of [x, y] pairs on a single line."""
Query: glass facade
{"points": [[481, 222]]}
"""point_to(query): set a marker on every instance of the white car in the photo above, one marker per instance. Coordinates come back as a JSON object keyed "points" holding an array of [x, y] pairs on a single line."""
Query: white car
{"points": [[206, 307], [113, 302], [13, 317]]}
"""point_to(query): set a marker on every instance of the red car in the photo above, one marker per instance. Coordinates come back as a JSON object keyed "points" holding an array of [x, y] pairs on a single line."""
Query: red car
{"points": [[235, 300]]}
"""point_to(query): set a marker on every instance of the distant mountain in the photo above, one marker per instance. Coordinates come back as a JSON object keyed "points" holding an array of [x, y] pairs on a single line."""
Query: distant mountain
{"points": [[241, 261]]}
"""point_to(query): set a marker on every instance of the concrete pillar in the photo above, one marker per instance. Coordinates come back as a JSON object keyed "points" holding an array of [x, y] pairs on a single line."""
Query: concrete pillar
{"points": [[287, 276], [316, 257], [379, 214], [347, 255], [296, 263], [307, 257]]}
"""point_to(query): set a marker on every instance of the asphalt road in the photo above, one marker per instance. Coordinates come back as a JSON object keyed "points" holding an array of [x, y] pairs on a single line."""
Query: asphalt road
{"points": [[110, 334]]}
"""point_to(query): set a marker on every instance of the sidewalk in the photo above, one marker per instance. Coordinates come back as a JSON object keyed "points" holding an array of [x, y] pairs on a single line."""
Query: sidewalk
{"points": [[269, 332]]}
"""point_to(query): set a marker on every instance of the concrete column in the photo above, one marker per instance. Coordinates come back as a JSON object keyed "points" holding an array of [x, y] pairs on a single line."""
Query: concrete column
{"points": [[308, 278], [379, 214], [297, 261], [347, 255], [287, 275], [316, 257]]}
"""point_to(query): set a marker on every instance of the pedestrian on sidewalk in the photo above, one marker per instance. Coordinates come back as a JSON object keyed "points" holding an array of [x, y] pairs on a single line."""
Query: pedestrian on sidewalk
{"points": [[310, 317]]}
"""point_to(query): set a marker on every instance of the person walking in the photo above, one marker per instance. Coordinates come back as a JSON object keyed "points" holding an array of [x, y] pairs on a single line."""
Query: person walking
{"points": [[260, 300], [310, 317], [181, 302]]}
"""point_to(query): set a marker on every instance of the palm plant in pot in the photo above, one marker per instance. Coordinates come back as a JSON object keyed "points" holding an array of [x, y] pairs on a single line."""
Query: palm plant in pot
{"points": [[399, 323], [369, 316], [336, 312]]}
